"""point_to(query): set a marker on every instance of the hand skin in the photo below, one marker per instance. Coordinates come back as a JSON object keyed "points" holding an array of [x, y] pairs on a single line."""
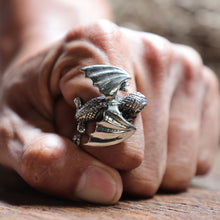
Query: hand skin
{"points": [[178, 132]]}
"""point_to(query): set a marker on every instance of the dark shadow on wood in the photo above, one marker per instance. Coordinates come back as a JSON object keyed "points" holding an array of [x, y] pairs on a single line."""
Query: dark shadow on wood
{"points": [[15, 191]]}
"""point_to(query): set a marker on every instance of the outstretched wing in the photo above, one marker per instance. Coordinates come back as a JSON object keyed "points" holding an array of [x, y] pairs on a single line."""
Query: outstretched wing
{"points": [[107, 78], [112, 130]]}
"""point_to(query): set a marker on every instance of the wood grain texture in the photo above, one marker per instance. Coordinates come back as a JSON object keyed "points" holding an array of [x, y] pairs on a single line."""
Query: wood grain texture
{"points": [[201, 201]]}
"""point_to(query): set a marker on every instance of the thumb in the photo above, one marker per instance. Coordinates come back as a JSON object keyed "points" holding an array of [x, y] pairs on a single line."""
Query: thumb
{"points": [[55, 165]]}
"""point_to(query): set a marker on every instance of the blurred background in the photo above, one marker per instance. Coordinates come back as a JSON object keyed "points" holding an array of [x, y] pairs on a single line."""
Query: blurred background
{"points": [[192, 22]]}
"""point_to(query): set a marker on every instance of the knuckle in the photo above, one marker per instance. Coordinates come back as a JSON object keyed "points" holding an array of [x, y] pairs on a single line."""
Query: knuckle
{"points": [[141, 185], [108, 38], [151, 182], [178, 178], [146, 189], [130, 161], [204, 164], [150, 187], [191, 63], [101, 33], [158, 53], [103, 29], [211, 79], [5, 131], [40, 164], [203, 167]]}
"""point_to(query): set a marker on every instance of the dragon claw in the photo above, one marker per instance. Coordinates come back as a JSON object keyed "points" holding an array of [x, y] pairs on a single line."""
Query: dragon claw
{"points": [[77, 139], [78, 103]]}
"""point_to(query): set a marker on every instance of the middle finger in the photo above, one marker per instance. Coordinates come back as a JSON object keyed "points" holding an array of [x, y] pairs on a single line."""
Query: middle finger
{"points": [[155, 82]]}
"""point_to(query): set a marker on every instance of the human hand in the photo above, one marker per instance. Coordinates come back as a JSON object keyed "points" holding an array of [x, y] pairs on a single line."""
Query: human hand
{"points": [[177, 132]]}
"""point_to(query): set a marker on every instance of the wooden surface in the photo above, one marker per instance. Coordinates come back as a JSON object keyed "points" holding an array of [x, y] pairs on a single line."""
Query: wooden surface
{"points": [[201, 201]]}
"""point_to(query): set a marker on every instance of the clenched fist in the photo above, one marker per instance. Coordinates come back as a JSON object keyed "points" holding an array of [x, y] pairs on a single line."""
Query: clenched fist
{"points": [[177, 133]]}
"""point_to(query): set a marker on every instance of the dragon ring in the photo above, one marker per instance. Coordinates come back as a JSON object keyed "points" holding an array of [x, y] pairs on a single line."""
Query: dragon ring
{"points": [[113, 115]]}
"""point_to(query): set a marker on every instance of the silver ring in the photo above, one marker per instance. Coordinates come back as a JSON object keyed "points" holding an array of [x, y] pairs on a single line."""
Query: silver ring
{"points": [[113, 115]]}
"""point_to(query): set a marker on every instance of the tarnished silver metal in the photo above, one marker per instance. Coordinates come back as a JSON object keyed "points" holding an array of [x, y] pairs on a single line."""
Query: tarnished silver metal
{"points": [[113, 115]]}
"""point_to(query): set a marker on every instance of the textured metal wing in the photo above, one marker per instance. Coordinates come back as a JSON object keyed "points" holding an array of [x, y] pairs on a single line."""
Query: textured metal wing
{"points": [[112, 130], [107, 78]]}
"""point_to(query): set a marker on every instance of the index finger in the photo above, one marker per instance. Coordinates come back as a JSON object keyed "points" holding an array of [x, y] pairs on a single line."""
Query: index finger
{"points": [[100, 43]]}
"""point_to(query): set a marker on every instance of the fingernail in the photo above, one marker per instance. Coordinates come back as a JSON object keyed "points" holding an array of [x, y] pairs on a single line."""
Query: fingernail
{"points": [[96, 185]]}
